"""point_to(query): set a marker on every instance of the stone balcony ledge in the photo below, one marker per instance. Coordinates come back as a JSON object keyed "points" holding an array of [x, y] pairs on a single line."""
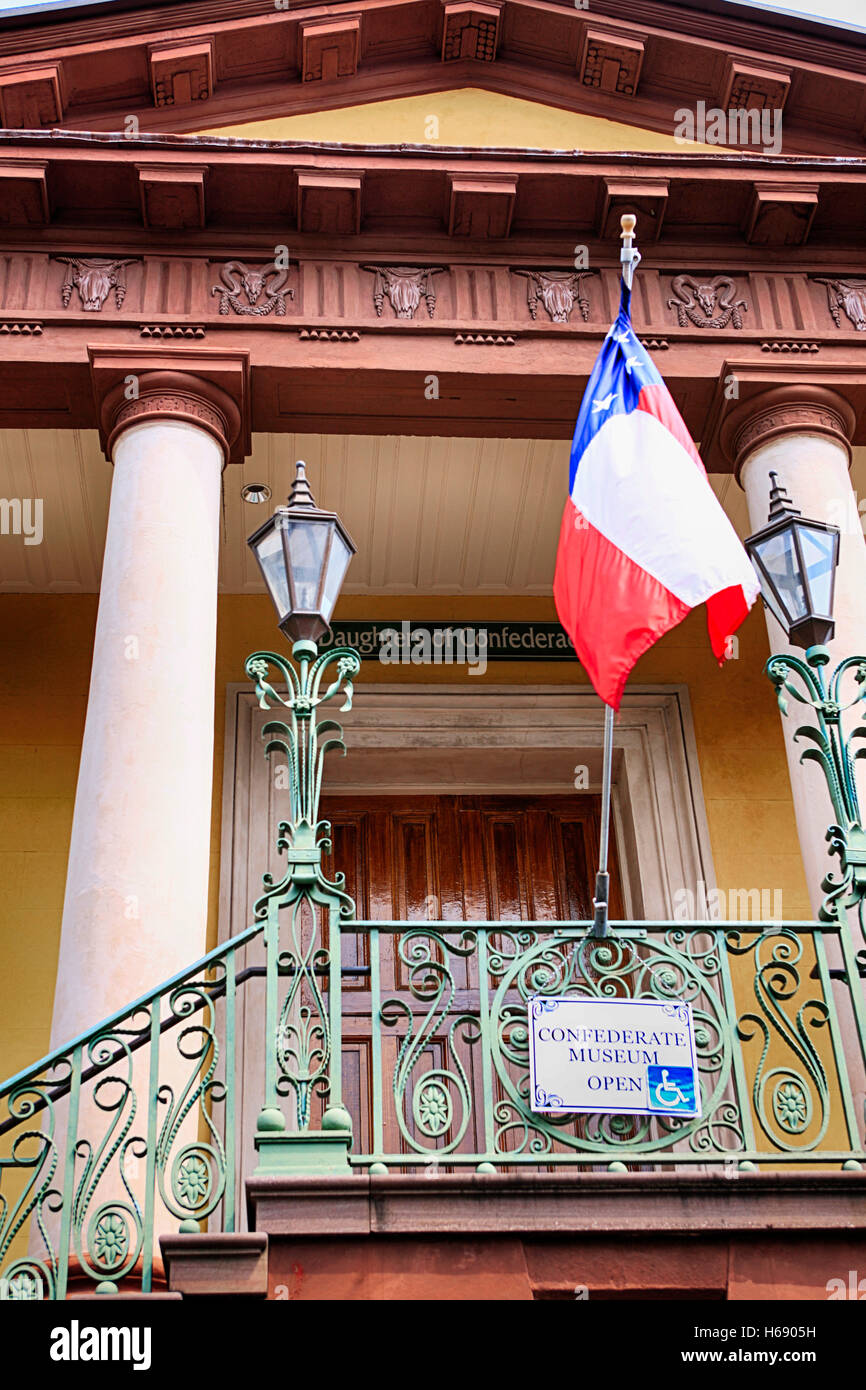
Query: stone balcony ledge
{"points": [[557, 1204]]}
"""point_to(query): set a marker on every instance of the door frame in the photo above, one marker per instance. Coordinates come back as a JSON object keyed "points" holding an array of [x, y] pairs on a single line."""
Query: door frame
{"points": [[465, 739], [429, 738]]}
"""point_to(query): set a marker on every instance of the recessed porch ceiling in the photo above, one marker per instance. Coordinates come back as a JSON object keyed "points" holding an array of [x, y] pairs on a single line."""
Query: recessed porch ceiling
{"points": [[428, 515]]}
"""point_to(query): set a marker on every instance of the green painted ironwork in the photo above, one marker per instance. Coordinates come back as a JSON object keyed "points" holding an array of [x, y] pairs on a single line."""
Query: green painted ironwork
{"points": [[473, 1106], [303, 1016], [90, 1166], [836, 753], [94, 1141], [98, 1147]]}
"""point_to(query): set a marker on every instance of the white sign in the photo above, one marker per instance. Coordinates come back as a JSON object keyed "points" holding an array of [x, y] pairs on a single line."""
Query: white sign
{"points": [[614, 1057]]}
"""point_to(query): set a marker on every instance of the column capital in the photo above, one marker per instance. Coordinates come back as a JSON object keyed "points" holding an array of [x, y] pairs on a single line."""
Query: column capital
{"points": [[207, 389], [793, 409]]}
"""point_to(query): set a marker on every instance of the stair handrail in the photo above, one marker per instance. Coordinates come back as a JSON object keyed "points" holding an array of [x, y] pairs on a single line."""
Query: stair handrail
{"points": [[81, 1039]]}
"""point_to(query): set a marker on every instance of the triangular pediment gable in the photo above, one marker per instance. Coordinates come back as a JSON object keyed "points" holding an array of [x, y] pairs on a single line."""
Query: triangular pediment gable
{"points": [[374, 65], [467, 116]]}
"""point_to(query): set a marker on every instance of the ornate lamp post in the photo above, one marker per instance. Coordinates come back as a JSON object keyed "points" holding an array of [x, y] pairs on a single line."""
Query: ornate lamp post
{"points": [[303, 553], [796, 561]]}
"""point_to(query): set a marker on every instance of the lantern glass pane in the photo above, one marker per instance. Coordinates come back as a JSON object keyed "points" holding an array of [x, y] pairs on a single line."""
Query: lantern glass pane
{"points": [[778, 556], [818, 549], [338, 563], [269, 551], [772, 603], [306, 542]]}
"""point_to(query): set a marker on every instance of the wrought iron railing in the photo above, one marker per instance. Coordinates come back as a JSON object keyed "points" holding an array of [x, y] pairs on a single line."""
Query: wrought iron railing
{"points": [[780, 1033], [420, 1058], [133, 1125], [130, 1125]]}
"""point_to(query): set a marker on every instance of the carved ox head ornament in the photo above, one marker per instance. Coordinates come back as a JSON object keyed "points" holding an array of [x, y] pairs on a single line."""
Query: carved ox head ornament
{"points": [[94, 279], [404, 286], [558, 290], [848, 296]]}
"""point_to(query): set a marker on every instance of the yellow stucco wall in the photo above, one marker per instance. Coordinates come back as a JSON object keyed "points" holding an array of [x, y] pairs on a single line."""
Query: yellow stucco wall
{"points": [[47, 640], [46, 644], [465, 116]]}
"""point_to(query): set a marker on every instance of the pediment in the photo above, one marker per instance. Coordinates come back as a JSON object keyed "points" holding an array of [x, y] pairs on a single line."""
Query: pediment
{"points": [[469, 116], [189, 67]]}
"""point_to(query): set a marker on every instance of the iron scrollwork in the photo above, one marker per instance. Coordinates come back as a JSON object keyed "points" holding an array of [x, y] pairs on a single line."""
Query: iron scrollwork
{"points": [[33, 1158], [791, 1098], [612, 968], [302, 1043], [197, 1171], [429, 1096], [836, 753], [108, 1234], [89, 1159]]}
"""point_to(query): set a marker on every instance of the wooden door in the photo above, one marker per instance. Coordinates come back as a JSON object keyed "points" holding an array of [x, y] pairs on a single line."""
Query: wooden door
{"points": [[469, 858], [450, 858]]}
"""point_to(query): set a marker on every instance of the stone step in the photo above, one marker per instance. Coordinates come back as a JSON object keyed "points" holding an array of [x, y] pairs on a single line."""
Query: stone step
{"points": [[234, 1265]]}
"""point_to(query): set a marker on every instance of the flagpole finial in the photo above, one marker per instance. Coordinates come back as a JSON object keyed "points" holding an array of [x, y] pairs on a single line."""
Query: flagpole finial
{"points": [[629, 255]]}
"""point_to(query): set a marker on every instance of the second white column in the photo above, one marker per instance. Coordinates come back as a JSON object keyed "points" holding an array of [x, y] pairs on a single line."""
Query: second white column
{"points": [[803, 436]]}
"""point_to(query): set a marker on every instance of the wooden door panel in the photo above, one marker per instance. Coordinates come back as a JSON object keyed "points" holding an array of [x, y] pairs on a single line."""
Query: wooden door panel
{"points": [[357, 1095], [506, 872], [352, 830], [448, 858]]}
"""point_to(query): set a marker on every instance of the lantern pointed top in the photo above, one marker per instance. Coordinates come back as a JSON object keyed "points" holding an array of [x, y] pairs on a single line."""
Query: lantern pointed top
{"points": [[780, 502], [300, 495], [303, 553]]}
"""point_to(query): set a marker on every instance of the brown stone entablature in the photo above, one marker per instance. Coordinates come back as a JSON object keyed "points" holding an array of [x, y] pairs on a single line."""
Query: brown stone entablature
{"points": [[744, 203], [794, 409], [171, 64], [310, 282], [332, 363], [302, 260], [209, 390]]}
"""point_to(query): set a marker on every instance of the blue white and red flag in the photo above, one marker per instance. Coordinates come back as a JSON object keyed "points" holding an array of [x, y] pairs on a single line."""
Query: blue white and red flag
{"points": [[644, 539]]}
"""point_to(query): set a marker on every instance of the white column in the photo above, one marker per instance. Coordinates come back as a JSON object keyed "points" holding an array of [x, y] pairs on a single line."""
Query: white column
{"points": [[135, 910], [803, 436]]}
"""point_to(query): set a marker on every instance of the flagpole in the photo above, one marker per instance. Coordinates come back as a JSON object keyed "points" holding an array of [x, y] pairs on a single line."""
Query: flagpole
{"points": [[629, 257], [602, 878]]}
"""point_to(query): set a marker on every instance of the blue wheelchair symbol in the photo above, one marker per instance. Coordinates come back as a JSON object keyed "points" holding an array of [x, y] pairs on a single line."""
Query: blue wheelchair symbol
{"points": [[671, 1089]]}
